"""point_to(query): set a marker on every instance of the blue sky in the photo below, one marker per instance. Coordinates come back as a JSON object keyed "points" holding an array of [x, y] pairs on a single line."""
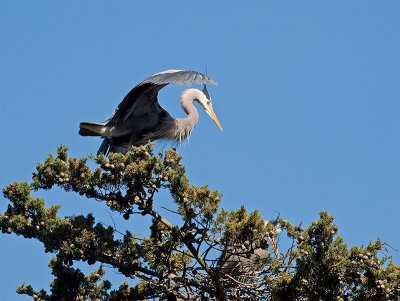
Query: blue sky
{"points": [[308, 98]]}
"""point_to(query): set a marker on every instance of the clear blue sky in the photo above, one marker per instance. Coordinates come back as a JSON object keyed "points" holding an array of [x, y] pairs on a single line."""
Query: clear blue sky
{"points": [[308, 98]]}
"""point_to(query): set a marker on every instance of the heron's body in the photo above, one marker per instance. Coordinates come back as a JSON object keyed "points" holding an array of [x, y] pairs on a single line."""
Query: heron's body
{"points": [[236, 262], [242, 260], [139, 117]]}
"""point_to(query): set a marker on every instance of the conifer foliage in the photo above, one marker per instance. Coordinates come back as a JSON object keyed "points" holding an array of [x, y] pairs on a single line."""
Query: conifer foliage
{"points": [[211, 254]]}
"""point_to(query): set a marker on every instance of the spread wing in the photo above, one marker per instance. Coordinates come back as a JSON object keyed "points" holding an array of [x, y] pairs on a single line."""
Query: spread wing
{"points": [[143, 97]]}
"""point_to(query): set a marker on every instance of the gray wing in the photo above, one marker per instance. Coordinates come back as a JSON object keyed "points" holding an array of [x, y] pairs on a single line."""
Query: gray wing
{"points": [[235, 262], [179, 77], [144, 95]]}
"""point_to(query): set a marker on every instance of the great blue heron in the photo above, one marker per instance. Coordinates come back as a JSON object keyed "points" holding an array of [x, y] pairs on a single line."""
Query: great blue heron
{"points": [[140, 118], [242, 260]]}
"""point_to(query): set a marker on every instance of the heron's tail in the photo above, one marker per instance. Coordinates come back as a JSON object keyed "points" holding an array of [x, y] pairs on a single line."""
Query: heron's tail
{"points": [[92, 128]]}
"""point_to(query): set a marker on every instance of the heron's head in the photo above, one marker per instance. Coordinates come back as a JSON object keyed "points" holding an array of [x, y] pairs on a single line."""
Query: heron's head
{"points": [[273, 227], [207, 105]]}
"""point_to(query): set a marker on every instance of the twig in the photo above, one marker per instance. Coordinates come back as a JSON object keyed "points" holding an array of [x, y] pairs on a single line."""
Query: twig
{"points": [[242, 283], [385, 243]]}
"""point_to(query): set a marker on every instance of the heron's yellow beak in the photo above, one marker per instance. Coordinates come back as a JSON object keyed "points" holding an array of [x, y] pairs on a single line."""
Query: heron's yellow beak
{"points": [[210, 112]]}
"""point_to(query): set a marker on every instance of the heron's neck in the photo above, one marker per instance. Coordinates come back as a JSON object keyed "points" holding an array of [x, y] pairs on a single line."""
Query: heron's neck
{"points": [[184, 126], [187, 98]]}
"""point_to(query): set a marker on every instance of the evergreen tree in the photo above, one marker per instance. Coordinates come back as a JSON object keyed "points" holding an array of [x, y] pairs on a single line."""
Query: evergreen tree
{"points": [[211, 254]]}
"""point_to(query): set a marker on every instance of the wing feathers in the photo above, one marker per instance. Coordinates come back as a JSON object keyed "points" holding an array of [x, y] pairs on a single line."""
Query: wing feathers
{"points": [[155, 83], [91, 128], [178, 77]]}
